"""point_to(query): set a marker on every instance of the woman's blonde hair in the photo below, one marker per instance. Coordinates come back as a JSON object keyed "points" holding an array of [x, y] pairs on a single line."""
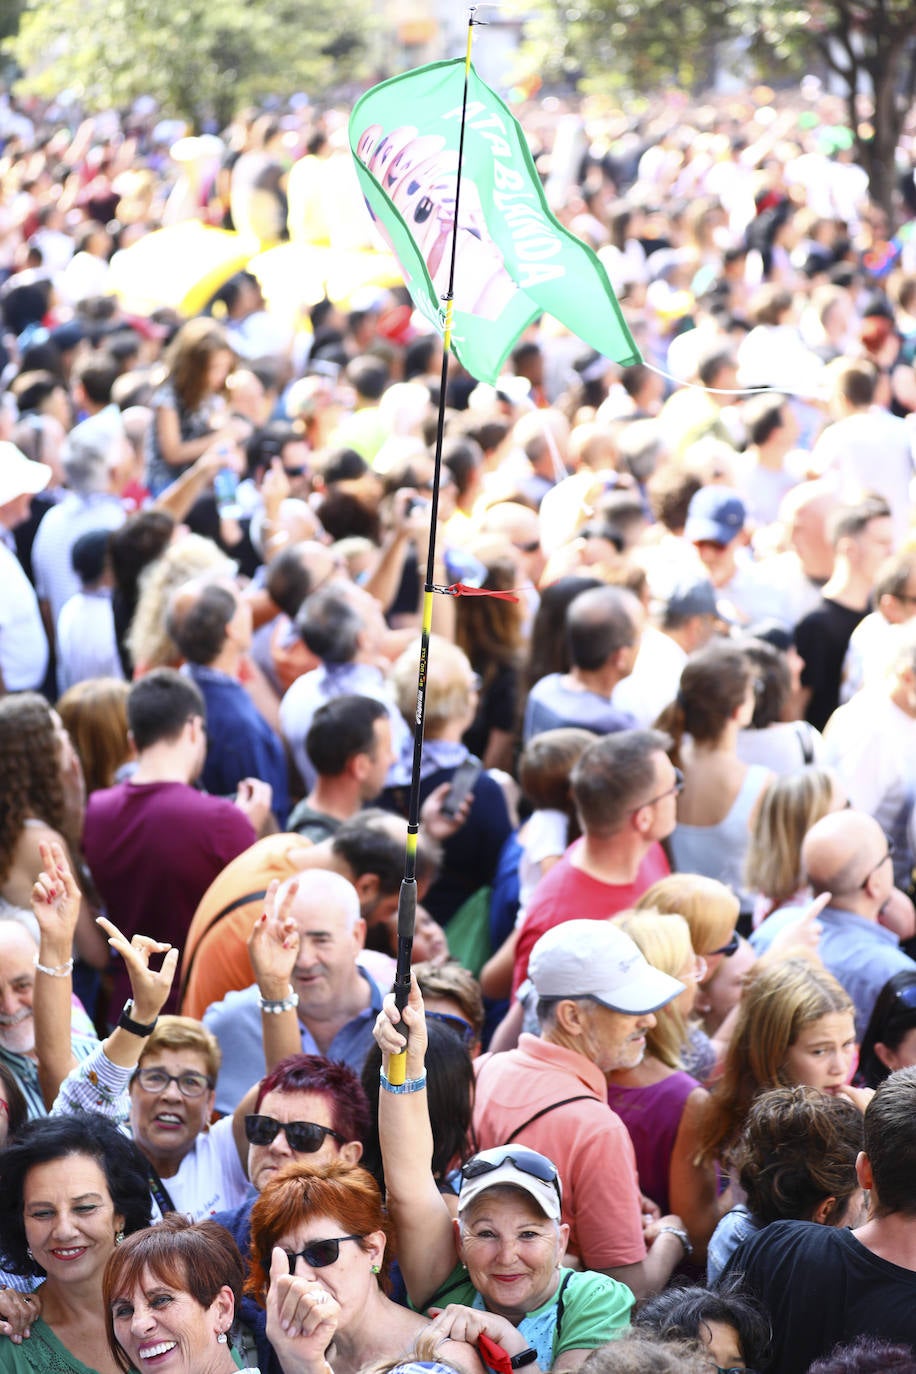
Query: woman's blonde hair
{"points": [[779, 1001], [448, 684], [94, 713], [788, 808], [149, 643], [184, 1033], [664, 939], [709, 907]]}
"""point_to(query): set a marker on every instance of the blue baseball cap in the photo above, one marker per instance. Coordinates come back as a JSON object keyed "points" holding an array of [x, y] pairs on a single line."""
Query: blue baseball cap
{"points": [[715, 513]]}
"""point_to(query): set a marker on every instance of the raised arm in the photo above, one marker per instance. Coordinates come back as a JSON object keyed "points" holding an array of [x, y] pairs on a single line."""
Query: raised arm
{"points": [[100, 1082], [273, 947], [56, 903], [426, 1242]]}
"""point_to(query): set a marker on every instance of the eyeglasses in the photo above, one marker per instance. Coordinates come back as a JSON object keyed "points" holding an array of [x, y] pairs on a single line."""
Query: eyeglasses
{"points": [[190, 1084], [318, 1254], [729, 949], [526, 1161], [674, 791], [465, 1032], [888, 854], [305, 1137], [697, 972]]}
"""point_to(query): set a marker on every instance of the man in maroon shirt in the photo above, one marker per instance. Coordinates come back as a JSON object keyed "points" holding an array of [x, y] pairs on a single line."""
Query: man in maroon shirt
{"points": [[154, 844], [625, 788]]}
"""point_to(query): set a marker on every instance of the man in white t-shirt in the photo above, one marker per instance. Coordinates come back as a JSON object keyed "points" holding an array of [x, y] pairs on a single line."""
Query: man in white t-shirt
{"points": [[875, 639], [687, 620], [871, 742], [23, 642], [866, 449]]}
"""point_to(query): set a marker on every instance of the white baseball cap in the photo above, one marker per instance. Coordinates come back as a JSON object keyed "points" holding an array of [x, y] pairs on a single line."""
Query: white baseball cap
{"points": [[513, 1166], [20, 476], [596, 959]]}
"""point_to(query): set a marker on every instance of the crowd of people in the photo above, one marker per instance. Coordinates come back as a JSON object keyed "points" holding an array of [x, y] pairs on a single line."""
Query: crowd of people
{"points": [[655, 1105]]}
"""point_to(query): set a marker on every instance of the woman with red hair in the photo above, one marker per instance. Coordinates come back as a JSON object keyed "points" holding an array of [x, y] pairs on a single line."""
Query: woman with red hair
{"points": [[319, 1264]]}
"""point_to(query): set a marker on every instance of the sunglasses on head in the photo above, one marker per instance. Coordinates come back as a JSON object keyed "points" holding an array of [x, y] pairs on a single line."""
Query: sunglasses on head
{"points": [[318, 1254], [305, 1137], [466, 1033], [525, 1161]]}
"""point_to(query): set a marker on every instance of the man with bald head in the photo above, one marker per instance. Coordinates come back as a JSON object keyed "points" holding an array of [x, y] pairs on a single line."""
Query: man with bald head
{"points": [[848, 855], [335, 999], [18, 956], [603, 629]]}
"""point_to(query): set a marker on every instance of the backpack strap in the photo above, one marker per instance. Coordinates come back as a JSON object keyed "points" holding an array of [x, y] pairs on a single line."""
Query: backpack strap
{"points": [[221, 915], [554, 1106]]}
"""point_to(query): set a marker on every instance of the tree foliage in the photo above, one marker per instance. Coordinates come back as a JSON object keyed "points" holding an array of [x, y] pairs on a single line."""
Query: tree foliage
{"points": [[197, 57], [640, 46]]}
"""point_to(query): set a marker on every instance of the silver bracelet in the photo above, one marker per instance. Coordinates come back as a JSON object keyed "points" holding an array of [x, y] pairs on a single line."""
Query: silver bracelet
{"points": [[681, 1235], [276, 1006], [410, 1085], [61, 971]]}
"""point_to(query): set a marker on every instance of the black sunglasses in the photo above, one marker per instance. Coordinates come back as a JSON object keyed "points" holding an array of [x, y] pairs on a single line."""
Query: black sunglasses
{"points": [[729, 949], [305, 1137], [526, 1161], [318, 1254], [465, 1032]]}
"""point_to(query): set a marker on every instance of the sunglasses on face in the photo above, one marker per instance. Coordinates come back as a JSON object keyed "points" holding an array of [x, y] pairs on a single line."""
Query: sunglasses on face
{"points": [[305, 1137], [318, 1254], [466, 1033], [525, 1161], [729, 949]]}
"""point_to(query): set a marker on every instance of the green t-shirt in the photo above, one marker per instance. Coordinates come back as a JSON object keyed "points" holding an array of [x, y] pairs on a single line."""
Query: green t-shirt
{"points": [[587, 1310], [42, 1353]]}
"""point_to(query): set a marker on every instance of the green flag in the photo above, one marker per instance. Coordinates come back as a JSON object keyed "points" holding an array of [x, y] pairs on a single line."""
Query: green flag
{"points": [[514, 259]]}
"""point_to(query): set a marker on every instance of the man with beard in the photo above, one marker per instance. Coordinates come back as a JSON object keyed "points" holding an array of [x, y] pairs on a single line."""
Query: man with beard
{"points": [[20, 962]]}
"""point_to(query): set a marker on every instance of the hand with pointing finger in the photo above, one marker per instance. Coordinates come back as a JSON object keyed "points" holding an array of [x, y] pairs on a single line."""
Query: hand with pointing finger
{"points": [[149, 987], [302, 1317]]}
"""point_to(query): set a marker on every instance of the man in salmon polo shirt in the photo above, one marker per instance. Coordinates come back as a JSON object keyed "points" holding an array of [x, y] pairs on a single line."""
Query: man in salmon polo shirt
{"points": [[596, 999], [625, 788]]}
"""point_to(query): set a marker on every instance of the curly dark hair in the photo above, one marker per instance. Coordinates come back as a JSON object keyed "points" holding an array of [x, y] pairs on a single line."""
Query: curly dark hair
{"points": [[55, 1137], [30, 781]]}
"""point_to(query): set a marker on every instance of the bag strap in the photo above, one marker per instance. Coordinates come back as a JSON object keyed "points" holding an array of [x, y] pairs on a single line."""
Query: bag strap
{"points": [[560, 1307], [161, 1195], [554, 1106], [221, 915], [804, 739]]}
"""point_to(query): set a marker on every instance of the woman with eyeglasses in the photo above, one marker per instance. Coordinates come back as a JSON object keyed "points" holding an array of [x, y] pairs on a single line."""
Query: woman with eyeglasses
{"points": [[720, 796], [496, 1272], [659, 1103], [319, 1265], [889, 1041]]}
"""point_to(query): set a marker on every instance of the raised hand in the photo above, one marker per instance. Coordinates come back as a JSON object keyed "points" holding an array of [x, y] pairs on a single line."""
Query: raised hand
{"points": [[273, 944], [55, 903], [149, 987]]}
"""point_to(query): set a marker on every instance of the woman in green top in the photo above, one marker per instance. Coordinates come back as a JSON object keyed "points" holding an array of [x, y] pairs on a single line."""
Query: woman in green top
{"points": [[71, 1188], [496, 1271]]}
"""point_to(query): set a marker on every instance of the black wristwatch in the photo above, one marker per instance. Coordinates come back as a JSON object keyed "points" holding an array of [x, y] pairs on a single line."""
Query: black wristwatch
{"points": [[523, 1357], [126, 1021]]}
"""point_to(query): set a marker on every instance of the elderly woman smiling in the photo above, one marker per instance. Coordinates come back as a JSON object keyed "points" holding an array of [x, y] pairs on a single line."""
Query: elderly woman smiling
{"points": [[499, 1266]]}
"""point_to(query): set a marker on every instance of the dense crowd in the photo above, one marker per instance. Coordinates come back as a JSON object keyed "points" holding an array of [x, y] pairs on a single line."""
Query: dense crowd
{"points": [[651, 1104]]}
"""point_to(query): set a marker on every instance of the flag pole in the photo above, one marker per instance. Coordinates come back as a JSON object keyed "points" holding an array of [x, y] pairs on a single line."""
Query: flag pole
{"points": [[407, 897]]}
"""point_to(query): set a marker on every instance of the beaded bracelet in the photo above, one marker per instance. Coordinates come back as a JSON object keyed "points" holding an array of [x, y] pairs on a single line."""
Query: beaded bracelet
{"points": [[273, 1006], [412, 1085], [61, 971]]}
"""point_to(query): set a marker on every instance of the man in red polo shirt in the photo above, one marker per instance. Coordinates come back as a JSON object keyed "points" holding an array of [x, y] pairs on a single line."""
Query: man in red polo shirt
{"points": [[625, 788]]}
